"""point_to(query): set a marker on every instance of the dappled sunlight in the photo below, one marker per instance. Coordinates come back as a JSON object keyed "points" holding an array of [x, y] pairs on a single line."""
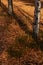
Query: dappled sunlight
{"points": [[28, 8], [17, 45]]}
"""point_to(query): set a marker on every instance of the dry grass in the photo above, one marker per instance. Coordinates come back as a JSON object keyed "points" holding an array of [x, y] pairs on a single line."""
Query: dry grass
{"points": [[17, 45]]}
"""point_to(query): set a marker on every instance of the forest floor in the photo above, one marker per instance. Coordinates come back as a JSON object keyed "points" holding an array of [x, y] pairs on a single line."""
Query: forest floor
{"points": [[17, 46]]}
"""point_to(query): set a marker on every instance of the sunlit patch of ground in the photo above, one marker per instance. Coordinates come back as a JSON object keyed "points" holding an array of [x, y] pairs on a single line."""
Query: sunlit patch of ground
{"points": [[28, 8], [5, 2], [29, 12]]}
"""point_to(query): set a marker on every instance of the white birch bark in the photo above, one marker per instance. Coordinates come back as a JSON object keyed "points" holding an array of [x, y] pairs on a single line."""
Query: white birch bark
{"points": [[36, 17], [10, 6]]}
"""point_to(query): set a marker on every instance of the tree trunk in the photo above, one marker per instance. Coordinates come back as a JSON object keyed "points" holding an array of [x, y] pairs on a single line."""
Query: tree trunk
{"points": [[10, 6], [36, 18], [0, 2]]}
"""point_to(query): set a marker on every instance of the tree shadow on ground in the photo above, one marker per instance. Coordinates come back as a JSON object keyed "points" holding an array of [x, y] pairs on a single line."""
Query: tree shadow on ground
{"points": [[24, 28], [27, 31]]}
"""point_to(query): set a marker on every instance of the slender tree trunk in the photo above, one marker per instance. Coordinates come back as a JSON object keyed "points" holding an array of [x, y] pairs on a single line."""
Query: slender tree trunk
{"points": [[36, 18], [0, 2], [10, 6]]}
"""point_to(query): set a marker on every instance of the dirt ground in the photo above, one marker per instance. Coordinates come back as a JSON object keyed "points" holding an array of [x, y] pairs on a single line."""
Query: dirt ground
{"points": [[17, 46]]}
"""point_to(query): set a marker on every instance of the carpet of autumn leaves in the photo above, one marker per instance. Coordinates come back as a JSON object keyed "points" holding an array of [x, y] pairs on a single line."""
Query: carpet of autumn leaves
{"points": [[17, 47]]}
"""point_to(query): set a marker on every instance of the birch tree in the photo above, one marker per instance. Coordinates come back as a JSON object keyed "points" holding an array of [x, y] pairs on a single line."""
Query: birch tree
{"points": [[36, 18], [10, 6]]}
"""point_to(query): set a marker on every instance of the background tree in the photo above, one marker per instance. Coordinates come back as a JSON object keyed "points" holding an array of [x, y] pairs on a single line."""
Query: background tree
{"points": [[36, 18], [0, 2]]}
